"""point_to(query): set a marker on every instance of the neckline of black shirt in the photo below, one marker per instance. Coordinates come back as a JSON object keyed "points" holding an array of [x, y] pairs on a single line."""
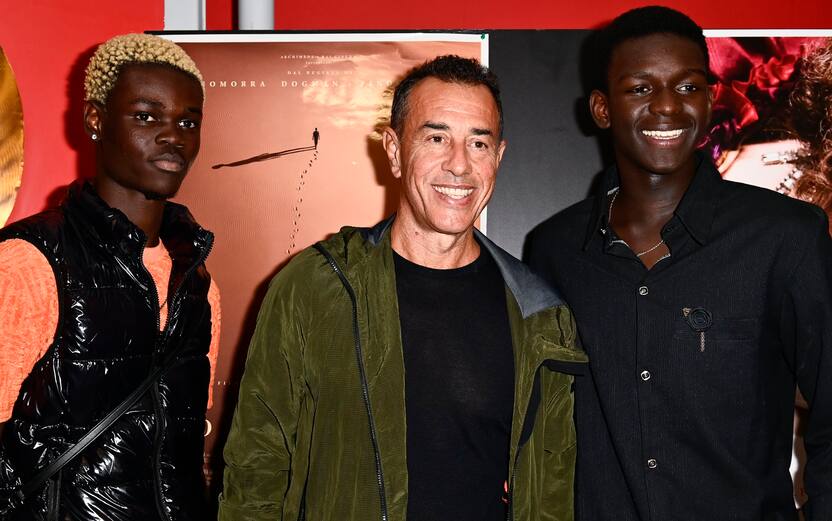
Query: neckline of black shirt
{"points": [[696, 209], [424, 271]]}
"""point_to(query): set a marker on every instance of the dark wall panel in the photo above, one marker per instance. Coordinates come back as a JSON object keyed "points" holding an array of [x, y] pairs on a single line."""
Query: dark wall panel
{"points": [[551, 158]]}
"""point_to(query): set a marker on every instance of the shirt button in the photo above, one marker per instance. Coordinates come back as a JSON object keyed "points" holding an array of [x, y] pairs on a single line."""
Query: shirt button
{"points": [[643, 291], [652, 463], [645, 375]]}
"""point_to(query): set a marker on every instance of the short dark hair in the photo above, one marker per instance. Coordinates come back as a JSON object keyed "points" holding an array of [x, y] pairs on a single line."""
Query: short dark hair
{"points": [[640, 22], [451, 69]]}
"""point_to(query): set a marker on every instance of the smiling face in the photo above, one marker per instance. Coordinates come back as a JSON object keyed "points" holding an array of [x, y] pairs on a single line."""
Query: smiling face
{"points": [[446, 157], [148, 131], [658, 103]]}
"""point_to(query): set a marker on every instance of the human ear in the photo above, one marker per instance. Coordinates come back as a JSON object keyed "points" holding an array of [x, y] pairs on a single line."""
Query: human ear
{"points": [[500, 151], [599, 109], [93, 115], [391, 146]]}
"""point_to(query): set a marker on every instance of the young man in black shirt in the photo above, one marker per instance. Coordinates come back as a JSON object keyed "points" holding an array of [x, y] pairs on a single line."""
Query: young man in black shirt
{"points": [[700, 302]]}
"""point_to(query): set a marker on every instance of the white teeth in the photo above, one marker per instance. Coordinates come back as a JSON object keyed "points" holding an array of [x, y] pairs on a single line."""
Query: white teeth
{"points": [[663, 134], [454, 193]]}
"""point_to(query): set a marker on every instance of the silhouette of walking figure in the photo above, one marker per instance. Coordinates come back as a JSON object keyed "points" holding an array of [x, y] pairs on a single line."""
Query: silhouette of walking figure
{"points": [[315, 137]]}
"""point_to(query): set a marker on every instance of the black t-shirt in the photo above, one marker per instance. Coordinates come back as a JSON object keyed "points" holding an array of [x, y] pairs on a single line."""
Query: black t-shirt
{"points": [[459, 389]]}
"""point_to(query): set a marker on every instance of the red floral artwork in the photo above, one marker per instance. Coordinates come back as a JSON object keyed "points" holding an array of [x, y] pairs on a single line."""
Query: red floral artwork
{"points": [[753, 77]]}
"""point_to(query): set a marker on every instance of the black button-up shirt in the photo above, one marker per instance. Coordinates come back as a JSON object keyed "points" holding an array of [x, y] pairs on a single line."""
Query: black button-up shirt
{"points": [[687, 411]]}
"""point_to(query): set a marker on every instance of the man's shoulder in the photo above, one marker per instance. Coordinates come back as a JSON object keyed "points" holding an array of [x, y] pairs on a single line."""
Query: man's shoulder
{"points": [[567, 221], [771, 209], [37, 228], [566, 230], [312, 266], [531, 292]]}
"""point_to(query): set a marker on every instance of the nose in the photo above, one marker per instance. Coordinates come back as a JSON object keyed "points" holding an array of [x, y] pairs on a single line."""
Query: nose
{"points": [[665, 101], [457, 162], [171, 134]]}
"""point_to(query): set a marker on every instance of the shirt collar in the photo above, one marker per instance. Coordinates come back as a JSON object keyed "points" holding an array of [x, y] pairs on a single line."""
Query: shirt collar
{"points": [[696, 210]]}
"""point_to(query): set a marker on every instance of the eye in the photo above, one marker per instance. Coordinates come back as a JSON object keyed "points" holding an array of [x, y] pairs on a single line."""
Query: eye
{"points": [[480, 145], [144, 116], [189, 124], [639, 89], [687, 87], [437, 139]]}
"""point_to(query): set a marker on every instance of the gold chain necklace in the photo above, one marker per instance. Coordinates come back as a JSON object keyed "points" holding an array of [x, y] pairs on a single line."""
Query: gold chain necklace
{"points": [[609, 220]]}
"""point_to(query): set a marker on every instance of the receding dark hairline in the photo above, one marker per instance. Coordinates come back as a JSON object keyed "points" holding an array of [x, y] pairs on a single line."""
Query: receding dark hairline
{"points": [[449, 69], [433, 124]]}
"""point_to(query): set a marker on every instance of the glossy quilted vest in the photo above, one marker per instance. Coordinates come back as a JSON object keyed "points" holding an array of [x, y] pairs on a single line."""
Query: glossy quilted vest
{"points": [[149, 464]]}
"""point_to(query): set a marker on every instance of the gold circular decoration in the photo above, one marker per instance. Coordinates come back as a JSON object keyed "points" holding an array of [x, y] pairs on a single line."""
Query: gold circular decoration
{"points": [[11, 139]]}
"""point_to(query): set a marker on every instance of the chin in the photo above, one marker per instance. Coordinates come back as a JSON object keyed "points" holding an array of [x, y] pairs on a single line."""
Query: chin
{"points": [[453, 227], [159, 195], [669, 166]]}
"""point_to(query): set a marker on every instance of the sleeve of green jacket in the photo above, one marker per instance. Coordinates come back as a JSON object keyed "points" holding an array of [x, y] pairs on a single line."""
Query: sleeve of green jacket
{"points": [[260, 446]]}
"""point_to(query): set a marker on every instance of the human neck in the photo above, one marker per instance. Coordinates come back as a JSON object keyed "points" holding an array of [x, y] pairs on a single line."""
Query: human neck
{"points": [[432, 249], [144, 213], [650, 198]]}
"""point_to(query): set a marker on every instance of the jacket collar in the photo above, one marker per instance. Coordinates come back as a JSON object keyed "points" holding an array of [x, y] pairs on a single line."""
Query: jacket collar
{"points": [[532, 294], [182, 236], [695, 211]]}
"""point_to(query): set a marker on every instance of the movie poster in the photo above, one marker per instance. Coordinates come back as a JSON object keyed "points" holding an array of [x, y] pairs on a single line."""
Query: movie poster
{"points": [[289, 154]]}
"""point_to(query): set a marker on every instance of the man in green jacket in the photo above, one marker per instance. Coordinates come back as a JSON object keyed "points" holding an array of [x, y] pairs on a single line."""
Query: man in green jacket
{"points": [[413, 370]]}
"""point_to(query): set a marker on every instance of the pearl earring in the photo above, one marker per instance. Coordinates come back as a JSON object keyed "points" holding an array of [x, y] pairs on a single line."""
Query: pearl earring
{"points": [[94, 136]]}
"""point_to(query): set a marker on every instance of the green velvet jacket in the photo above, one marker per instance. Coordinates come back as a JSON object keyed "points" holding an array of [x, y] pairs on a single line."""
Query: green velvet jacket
{"points": [[319, 429]]}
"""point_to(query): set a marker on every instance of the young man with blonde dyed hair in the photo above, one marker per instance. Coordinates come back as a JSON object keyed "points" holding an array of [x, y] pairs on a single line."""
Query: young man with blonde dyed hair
{"points": [[109, 318]]}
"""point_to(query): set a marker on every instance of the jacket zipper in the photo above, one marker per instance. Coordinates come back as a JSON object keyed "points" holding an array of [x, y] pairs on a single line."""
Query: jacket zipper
{"points": [[510, 512], [161, 424], [363, 375]]}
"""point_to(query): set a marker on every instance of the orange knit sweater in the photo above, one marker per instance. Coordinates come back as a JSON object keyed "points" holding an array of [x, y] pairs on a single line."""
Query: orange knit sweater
{"points": [[29, 312]]}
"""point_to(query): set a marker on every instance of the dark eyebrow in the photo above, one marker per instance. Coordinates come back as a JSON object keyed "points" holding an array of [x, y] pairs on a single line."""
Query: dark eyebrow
{"points": [[643, 75], [145, 101], [443, 126], [436, 126], [157, 104]]}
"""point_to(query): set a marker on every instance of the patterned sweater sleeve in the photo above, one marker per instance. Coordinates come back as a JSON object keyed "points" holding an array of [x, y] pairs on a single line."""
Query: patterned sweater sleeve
{"points": [[28, 316]]}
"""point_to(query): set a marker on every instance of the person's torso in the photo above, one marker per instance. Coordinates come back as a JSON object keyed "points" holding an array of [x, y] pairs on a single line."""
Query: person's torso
{"points": [[687, 411], [459, 388], [148, 465]]}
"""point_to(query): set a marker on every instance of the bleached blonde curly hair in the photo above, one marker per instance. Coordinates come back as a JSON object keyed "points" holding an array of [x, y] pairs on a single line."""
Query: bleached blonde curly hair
{"points": [[107, 61]]}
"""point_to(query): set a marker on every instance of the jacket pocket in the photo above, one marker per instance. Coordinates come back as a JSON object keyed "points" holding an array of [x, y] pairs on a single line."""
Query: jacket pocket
{"points": [[722, 332]]}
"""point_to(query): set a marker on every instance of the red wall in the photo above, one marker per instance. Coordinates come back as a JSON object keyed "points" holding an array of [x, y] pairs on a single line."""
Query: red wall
{"points": [[47, 43], [528, 14]]}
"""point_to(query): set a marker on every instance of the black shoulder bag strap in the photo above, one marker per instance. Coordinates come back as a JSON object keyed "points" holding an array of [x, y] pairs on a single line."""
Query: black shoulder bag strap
{"points": [[105, 423]]}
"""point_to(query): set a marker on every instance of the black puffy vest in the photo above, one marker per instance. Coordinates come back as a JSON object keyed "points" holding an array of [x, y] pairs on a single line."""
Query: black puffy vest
{"points": [[148, 466]]}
